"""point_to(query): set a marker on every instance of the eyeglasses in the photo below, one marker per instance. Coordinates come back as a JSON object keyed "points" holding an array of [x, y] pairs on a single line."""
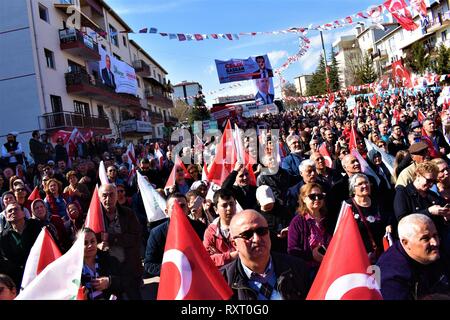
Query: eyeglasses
{"points": [[429, 181], [247, 235], [316, 196]]}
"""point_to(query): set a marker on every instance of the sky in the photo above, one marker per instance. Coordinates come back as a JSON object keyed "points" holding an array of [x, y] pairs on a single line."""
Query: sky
{"points": [[194, 60]]}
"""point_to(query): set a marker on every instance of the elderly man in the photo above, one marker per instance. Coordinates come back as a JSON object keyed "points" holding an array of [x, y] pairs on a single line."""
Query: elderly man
{"points": [[292, 160], [158, 235], [258, 273], [413, 267], [16, 241], [122, 238], [419, 153], [238, 183], [435, 139]]}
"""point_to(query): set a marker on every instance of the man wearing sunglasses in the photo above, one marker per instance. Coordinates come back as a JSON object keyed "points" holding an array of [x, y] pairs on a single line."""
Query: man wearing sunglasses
{"points": [[258, 273]]}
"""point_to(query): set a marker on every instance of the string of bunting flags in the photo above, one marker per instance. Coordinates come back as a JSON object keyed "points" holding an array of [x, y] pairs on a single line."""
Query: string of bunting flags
{"points": [[374, 13]]}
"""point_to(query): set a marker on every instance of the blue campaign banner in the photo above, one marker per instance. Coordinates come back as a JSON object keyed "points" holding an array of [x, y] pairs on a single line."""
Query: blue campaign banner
{"points": [[244, 69]]}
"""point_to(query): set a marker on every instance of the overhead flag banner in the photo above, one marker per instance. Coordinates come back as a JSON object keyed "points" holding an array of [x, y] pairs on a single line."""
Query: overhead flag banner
{"points": [[244, 69], [400, 12]]}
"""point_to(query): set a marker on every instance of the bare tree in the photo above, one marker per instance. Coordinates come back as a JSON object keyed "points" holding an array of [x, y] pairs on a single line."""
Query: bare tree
{"points": [[181, 110]]}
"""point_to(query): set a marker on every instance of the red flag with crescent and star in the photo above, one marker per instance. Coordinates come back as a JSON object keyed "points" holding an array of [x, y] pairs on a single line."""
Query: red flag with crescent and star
{"points": [[187, 271], [400, 12], [401, 74], [345, 271]]}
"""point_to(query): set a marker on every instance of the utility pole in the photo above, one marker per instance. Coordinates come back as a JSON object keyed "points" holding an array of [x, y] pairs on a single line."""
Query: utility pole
{"points": [[326, 64]]}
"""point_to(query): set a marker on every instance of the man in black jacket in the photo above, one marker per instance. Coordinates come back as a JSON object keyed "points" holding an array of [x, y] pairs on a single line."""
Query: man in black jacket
{"points": [[37, 149], [257, 273], [238, 183]]}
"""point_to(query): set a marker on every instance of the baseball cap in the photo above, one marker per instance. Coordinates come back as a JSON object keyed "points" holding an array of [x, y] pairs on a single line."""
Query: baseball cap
{"points": [[264, 195]]}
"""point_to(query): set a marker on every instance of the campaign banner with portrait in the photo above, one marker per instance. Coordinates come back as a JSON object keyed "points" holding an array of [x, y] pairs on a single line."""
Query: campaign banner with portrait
{"points": [[117, 74], [245, 109], [244, 69], [265, 93]]}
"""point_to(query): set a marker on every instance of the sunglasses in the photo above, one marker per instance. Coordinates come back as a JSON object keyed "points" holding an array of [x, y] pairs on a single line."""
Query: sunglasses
{"points": [[316, 196], [247, 235], [429, 181]]}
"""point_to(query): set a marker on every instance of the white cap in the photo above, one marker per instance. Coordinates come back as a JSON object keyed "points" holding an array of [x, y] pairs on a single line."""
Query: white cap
{"points": [[264, 195]]}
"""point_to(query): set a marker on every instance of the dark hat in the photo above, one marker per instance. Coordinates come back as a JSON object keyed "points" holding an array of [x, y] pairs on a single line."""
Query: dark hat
{"points": [[415, 124], [418, 148]]}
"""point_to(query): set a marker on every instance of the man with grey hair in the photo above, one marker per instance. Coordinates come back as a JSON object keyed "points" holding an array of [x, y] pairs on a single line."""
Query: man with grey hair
{"points": [[291, 162], [258, 273], [413, 267], [123, 239]]}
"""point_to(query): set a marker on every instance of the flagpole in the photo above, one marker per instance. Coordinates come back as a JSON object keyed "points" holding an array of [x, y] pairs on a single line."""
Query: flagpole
{"points": [[326, 64]]}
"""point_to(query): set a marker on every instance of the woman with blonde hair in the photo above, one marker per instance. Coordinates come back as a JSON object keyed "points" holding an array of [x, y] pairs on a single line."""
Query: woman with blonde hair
{"points": [[307, 237], [56, 204]]}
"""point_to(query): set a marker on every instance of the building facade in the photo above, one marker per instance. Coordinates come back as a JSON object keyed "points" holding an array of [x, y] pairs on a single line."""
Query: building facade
{"points": [[50, 77], [301, 83], [186, 90]]}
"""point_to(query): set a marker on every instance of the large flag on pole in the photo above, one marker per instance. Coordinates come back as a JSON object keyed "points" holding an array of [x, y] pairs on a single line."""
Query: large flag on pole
{"points": [[225, 157], [172, 177], [61, 279], [345, 271], [187, 271], [43, 252], [154, 204], [94, 217]]}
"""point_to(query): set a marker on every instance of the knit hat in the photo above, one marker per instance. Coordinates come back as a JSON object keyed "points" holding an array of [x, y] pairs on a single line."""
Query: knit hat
{"points": [[264, 195]]}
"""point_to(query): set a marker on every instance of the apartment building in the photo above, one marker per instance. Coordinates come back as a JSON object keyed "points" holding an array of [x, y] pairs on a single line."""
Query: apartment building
{"points": [[186, 90], [301, 83], [52, 72]]}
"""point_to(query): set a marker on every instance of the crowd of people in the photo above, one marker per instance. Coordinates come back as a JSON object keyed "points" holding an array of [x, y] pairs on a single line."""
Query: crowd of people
{"points": [[268, 237]]}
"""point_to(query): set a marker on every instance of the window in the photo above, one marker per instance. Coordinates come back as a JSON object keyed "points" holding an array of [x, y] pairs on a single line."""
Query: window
{"points": [[81, 108], [56, 103], [124, 41], [138, 82], [113, 36], [101, 111], [43, 12], [444, 35], [159, 78], [75, 67], [49, 58]]}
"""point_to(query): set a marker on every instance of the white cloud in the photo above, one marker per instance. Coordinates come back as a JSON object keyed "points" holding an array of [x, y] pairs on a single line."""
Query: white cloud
{"points": [[276, 56], [210, 69]]}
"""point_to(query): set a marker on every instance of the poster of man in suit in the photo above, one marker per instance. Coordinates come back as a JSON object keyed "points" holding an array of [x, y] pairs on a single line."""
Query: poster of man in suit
{"points": [[265, 93], [107, 74]]}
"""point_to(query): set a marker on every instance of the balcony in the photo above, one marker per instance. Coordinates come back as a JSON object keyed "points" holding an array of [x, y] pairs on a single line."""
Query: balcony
{"points": [[156, 117], [77, 43], [141, 68], [379, 54], [60, 120], [439, 22], [160, 101], [85, 20], [171, 121], [86, 85]]}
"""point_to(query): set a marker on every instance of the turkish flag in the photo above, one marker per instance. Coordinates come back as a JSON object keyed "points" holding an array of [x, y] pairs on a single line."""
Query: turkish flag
{"points": [[420, 116], [171, 180], [401, 74], [420, 6], [94, 218], [187, 271], [43, 252], [373, 100], [225, 158], [34, 195], [400, 12], [324, 152], [353, 140], [343, 273]]}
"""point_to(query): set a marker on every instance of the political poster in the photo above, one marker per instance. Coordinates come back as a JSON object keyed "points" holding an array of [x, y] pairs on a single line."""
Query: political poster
{"points": [[265, 92], [244, 69], [117, 74]]}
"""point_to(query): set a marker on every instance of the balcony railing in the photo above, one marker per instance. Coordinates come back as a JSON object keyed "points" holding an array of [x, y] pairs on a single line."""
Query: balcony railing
{"points": [[160, 101], [439, 22], [74, 41], [156, 117], [58, 120], [89, 86], [378, 54], [141, 68]]}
